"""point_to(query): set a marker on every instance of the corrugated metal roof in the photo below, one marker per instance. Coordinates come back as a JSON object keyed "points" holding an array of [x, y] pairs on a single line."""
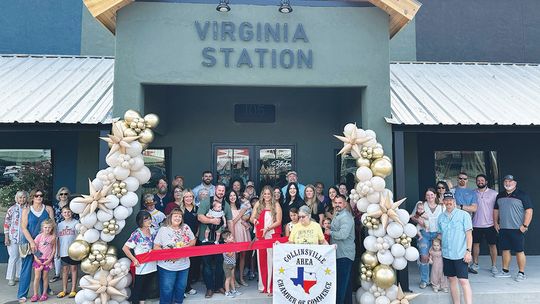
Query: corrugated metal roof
{"points": [[51, 89], [464, 93]]}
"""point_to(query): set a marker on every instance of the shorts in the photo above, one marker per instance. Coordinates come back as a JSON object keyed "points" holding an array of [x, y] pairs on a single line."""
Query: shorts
{"points": [[46, 267], [489, 233], [512, 239], [227, 268], [67, 261], [455, 268]]}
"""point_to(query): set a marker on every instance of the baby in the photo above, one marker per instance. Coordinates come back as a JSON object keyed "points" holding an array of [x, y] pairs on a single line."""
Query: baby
{"points": [[438, 280], [215, 212], [421, 218]]}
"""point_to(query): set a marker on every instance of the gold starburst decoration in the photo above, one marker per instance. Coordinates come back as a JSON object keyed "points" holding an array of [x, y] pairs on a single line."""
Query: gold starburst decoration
{"points": [[96, 199], [117, 140], [104, 286], [352, 142], [404, 298], [388, 209]]}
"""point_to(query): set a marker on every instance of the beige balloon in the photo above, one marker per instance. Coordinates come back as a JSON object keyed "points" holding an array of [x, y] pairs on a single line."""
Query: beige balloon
{"points": [[384, 276], [369, 259], [112, 251], [152, 120], [362, 162], [130, 132], [110, 260], [99, 246], [381, 167], [130, 115], [78, 250], [89, 267], [147, 136]]}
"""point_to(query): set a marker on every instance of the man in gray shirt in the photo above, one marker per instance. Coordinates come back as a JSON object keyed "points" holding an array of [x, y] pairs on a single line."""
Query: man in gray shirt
{"points": [[342, 234], [512, 216]]}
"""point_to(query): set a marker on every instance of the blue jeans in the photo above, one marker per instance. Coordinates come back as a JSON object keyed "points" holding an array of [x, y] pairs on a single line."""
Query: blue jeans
{"points": [[343, 271], [213, 271], [172, 285], [423, 248]]}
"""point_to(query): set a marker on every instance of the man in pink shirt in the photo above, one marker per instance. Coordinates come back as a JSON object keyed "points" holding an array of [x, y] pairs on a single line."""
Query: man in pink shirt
{"points": [[483, 226]]}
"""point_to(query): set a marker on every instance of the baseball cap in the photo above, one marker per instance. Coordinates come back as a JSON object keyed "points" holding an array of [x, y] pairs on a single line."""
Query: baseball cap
{"points": [[250, 184], [448, 195], [291, 172], [509, 177]]}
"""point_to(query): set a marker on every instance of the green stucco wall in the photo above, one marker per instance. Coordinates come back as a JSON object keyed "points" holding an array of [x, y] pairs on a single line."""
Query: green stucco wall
{"points": [[96, 40]]}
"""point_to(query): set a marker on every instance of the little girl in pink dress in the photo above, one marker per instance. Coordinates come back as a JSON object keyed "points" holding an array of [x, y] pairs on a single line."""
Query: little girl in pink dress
{"points": [[45, 250], [438, 280]]}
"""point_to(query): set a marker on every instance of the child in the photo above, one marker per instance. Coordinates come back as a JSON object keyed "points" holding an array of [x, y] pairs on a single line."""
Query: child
{"points": [[157, 216], [421, 218], [438, 280], [229, 263], [45, 250], [202, 196], [215, 212], [293, 214], [326, 229], [66, 235]]}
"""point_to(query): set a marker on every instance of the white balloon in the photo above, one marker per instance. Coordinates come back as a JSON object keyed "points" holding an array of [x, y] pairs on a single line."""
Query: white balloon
{"points": [[366, 285], [359, 294], [111, 301], [385, 257], [125, 261], [373, 208], [89, 220], [76, 206], [379, 232], [360, 133], [121, 173], [399, 263], [106, 237], [370, 243], [367, 298], [349, 129], [97, 184], [382, 300], [371, 134], [374, 197], [410, 230], [124, 282], [129, 199], [121, 224], [378, 183], [99, 225], [84, 281], [112, 201], [362, 204], [132, 184], [403, 216], [389, 240], [394, 230], [411, 254], [371, 143], [363, 174], [113, 160], [138, 163], [82, 229], [91, 236], [143, 175], [135, 149], [397, 250], [121, 213], [104, 216]]}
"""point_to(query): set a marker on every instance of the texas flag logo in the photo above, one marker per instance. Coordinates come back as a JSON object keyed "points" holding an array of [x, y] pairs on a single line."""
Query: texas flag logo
{"points": [[305, 279]]}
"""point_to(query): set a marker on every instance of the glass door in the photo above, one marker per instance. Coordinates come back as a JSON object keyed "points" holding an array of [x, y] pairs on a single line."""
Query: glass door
{"points": [[273, 165], [232, 163]]}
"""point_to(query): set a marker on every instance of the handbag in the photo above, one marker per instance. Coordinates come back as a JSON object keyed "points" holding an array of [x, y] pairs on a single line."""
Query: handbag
{"points": [[24, 250]]}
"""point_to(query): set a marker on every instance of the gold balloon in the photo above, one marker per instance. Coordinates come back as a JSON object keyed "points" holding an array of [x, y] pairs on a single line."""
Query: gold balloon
{"points": [[147, 136], [381, 167], [88, 267], [152, 120], [384, 276], [362, 162], [78, 250], [111, 251], [110, 260], [369, 259], [377, 153], [100, 247], [131, 115]]}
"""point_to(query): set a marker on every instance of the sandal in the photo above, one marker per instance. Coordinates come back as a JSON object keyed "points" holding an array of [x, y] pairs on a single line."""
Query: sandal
{"points": [[34, 298], [243, 283], [72, 294], [43, 297], [61, 294]]}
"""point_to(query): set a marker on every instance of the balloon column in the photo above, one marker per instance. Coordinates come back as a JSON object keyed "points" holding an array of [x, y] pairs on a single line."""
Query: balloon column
{"points": [[104, 211], [389, 231]]}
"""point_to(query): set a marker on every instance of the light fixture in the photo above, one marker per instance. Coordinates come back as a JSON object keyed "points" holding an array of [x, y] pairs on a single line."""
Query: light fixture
{"points": [[223, 6], [285, 7]]}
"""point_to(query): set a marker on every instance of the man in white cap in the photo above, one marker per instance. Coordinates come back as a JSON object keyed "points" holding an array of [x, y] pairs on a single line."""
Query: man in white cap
{"points": [[512, 216], [292, 177]]}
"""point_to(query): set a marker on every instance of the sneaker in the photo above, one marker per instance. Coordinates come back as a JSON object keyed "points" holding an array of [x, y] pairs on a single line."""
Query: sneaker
{"points": [[475, 266], [520, 277], [445, 289], [236, 292], [11, 282], [471, 270], [494, 270], [502, 274], [423, 285], [54, 279], [192, 292], [229, 294]]}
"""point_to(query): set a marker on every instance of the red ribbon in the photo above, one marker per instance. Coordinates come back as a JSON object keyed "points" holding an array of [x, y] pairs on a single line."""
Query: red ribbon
{"points": [[193, 251]]}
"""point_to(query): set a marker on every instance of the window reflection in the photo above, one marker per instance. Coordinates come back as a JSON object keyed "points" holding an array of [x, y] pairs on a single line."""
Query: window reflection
{"points": [[274, 165], [448, 165], [231, 164]]}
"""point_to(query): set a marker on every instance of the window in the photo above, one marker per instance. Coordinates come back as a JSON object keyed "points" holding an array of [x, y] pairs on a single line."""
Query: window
{"points": [[157, 161], [232, 163], [448, 164], [24, 169], [345, 170], [274, 165]]}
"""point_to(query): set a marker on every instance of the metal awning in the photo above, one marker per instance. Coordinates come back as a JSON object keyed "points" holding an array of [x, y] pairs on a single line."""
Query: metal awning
{"points": [[425, 93], [56, 89]]}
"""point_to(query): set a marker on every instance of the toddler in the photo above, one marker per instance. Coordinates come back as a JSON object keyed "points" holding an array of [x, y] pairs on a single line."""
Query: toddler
{"points": [[438, 280], [326, 229], [421, 218], [229, 263], [215, 212], [293, 214], [66, 235], [157, 216], [45, 251]]}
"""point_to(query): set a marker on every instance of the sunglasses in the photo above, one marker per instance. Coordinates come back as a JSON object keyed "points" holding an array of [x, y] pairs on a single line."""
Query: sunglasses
{"points": [[64, 194], [38, 195], [462, 178], [441, 188]]}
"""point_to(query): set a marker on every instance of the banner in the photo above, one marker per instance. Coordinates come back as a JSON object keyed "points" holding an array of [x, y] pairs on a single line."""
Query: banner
{"points": [[304, 274]]}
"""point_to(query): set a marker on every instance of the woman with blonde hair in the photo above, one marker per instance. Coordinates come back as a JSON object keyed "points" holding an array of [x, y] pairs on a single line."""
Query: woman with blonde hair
{"points": [[266, 218], [316, 207], [187, 205], [13, 236]]}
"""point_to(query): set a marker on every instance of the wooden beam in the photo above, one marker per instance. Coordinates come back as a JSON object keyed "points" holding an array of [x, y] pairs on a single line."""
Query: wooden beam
{"points": [[401, 12], [105, 11]]}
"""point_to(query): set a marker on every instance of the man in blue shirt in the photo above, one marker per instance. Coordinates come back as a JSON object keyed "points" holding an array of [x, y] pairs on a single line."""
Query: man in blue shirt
{"points": [[455, 230]]}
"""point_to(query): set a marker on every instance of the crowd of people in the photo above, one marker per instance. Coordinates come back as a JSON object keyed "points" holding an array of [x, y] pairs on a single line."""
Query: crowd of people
{"points": [[453, 221]]}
